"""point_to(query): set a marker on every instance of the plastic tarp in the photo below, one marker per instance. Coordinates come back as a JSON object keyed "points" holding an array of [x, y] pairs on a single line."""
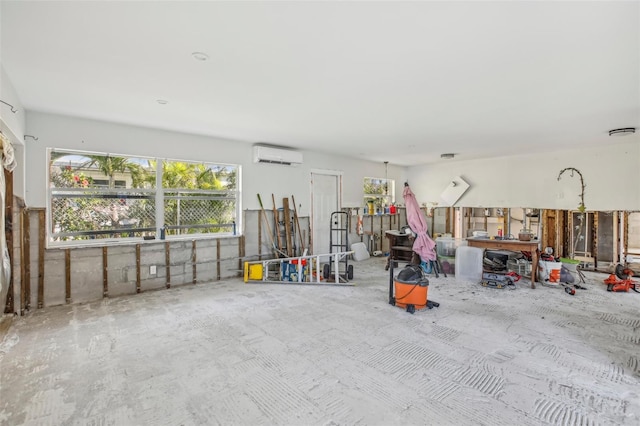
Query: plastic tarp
{"points": [[9, 163], [423, 245]]}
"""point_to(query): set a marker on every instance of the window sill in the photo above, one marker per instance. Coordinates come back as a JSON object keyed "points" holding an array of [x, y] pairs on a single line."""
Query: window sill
{"points": [[134, 241]]}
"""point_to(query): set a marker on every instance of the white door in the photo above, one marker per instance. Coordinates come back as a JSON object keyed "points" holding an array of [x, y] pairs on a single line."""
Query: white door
{"points": [[325, 199]]}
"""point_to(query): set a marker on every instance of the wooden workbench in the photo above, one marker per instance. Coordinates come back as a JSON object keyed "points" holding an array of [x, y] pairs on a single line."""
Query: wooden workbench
{"points": [[513, 245]]}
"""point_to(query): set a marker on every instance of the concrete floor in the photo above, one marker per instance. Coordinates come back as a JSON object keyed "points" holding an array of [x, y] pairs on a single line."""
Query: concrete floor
{"points": [[231, 353]]}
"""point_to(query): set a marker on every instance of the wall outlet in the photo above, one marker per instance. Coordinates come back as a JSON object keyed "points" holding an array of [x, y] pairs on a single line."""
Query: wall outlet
{"points": [[152, 270]]}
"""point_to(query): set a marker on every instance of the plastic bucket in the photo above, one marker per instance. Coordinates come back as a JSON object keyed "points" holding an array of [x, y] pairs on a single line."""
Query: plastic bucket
{"points": [[570, 264], [549, 272], [293, 269]]}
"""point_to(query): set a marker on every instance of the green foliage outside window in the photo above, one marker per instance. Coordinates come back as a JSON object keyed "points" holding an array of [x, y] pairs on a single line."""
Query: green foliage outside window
{"points": [[379, 192], [198, 197]]}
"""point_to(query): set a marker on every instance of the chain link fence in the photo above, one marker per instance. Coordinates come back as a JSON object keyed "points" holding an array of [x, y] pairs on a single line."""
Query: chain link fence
{"points": [[199, 211], [87, 214]]}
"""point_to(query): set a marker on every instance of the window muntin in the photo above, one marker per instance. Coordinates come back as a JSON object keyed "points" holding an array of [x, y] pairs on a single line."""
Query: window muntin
{"points": [[96, 196]]}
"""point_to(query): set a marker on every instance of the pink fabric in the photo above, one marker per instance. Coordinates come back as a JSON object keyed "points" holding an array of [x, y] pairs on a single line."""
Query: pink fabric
{"points": [[423, 245]]}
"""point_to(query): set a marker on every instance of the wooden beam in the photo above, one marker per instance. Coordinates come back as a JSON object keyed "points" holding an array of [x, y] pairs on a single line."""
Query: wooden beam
{"points": [[626, 237], [564, 229], [310, 230], [259, 234], [287, 226], [105, 273], [447, 222], [433, 220], [26, 258], [241, 251], [167, 262], [194, 262], [41, 243], [594, 241], [380, 236], [616, 236], [276, 219], [138, 288], [569, 233], [218, 259], [67, 275]]}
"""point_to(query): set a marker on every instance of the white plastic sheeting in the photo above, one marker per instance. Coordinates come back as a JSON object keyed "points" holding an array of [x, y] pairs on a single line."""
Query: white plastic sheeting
{"points": [[8, 163]]}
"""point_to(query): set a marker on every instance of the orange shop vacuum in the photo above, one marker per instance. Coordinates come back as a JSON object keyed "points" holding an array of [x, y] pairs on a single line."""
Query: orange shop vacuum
{"points": [[409, 289]]}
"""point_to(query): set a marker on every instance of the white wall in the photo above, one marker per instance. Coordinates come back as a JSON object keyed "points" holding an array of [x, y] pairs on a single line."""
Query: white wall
{"points": [[12, 126], [58, 131], [11, 122], [611, 174]]}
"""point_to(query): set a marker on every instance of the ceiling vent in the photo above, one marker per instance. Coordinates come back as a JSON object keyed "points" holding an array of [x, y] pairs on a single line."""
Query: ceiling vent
{"points": [[275, 155]]}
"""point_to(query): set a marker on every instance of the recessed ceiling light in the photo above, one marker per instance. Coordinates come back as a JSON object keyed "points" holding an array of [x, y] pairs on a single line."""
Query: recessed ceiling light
{"points": [[448, 156], [199, 56], [162, 101], [622, 132]]}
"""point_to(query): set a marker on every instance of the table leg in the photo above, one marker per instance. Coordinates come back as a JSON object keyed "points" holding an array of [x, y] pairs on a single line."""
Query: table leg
{"points": [[535, 255]]}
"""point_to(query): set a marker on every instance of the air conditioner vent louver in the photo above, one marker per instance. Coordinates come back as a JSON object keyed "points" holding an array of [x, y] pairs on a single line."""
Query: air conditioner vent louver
{"points": [[274, 155]]}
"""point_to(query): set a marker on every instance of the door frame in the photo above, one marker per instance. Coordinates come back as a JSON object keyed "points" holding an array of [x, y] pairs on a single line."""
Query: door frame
{"points": [[339, 177]]}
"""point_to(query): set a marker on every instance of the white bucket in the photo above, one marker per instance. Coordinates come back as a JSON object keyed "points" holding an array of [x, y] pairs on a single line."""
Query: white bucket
{"points": [[549, 272]]}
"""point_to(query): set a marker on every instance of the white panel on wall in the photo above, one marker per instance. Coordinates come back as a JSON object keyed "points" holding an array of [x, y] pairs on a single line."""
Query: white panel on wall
{"points": [[454, 191]]}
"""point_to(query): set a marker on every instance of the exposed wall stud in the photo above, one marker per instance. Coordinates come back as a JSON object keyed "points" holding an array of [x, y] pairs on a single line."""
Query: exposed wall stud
{"points": [[26, 258], [138, 288], [218, 259], [260, 234], [241, 251], [193, 261], [67, 275], [105, 272], [167, 262], [594, 241], [616, 236], [41, 237], [626, 237], [287, 226]]}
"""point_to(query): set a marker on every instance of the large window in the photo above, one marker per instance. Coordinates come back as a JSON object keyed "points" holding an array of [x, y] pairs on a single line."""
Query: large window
{"points": [[107, 197], [378, 194]]}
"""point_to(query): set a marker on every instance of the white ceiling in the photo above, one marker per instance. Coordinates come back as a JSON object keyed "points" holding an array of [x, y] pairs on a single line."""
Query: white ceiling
{"points": [[386, 81]]}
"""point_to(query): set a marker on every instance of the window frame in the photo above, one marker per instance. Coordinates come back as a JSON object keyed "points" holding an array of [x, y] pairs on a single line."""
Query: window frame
{"points": [[388, 196], [156, 194]]}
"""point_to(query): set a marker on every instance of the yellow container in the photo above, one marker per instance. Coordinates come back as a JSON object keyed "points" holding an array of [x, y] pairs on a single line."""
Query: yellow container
{"points": [[252, 271]]}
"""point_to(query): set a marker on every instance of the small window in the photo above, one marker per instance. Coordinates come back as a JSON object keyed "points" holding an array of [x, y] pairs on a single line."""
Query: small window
{"points": [[378, 195]]}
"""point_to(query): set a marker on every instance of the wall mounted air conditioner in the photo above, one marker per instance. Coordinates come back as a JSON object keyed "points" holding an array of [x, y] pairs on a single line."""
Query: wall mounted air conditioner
{"points": [[274, 155]]}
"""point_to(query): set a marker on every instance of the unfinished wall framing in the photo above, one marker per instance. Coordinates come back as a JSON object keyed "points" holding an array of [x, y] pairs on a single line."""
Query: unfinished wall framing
{"points": [[82, 274], [77, 275]]}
